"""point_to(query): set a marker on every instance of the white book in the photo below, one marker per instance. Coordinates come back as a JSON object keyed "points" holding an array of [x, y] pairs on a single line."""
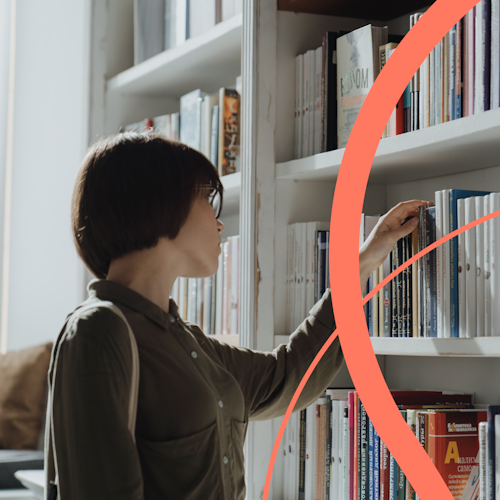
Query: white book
{"points": [[226, 289], [310, 466], [175, 133], [191, 302], [483, 443], [446, 266], [305, 104], [285, 447], [300, 104], [312, 100], [149, 29], [351, 92], [238, 6], [424, 92], [495, 55], [207, 305], [200, 287], [181, 18], [235, 252], [317, 99], [432, 88], [461, 270], [437, 83], [219, 281], [201, 16], [470, 269], [439, 263], [495, 262], [487, 273], [295, 112], [228, 9], [289, 270], [207, 106], [182, 297], [297, 272], [478, 60], [340, 481], [480, 326], [161, 125], [470, 20], [334, 462], [303, 269], [190, 132]]}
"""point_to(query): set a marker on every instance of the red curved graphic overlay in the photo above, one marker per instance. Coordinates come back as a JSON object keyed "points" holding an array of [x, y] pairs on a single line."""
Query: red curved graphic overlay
{"points": [[344, 258]]}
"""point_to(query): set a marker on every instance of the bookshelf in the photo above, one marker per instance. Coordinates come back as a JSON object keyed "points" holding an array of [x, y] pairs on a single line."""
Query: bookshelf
{"points": [[273, 190]]}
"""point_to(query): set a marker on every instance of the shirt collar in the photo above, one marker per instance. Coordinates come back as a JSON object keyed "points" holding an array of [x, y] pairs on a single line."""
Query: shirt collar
{"points": [[110, 290]]}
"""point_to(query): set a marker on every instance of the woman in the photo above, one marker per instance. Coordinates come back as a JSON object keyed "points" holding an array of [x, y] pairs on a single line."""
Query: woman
{"points": [[143, 215]]}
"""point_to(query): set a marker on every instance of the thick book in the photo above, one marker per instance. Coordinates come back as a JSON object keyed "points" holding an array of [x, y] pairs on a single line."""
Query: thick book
{"points": [[357, 68], [453, 446], [229, 131]]}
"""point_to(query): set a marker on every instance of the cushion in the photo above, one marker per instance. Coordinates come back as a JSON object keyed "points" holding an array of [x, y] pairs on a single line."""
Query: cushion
{"points": [[22, 396], [13, 460]]}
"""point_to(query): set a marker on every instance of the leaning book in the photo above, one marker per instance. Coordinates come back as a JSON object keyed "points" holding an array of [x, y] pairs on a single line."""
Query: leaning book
{"points": [[357, 68]]}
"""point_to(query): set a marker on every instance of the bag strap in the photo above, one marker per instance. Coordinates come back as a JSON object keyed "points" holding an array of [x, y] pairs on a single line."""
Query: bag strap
{"points": [[50, 447]]}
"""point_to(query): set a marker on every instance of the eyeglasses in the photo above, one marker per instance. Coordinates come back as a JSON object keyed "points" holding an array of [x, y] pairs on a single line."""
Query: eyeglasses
{"points": [[214, 197]]}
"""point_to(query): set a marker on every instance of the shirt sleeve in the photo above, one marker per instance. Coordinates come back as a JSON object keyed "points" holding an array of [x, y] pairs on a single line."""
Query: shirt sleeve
{"points": [[96, 455], [269, 379]]}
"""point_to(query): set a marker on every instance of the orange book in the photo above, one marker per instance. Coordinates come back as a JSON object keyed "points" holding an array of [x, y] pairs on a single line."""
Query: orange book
{"points": [[453, 447], [229, 130]]}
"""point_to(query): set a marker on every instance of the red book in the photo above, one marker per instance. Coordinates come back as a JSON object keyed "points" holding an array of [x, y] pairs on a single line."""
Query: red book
{"points": [[384, 472], [453, 448]]}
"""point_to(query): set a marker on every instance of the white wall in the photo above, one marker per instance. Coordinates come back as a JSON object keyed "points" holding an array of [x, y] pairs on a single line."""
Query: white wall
{"points": [[50, 137]]}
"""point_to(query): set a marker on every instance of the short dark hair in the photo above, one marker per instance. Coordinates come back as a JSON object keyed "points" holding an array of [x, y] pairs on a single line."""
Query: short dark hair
{"points": [[131, 189]]}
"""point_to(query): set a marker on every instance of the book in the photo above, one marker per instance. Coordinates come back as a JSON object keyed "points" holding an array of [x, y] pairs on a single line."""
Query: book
{"points": [[330, 113], [229, 131], [190, 131], [149, 25], [202, 16], [357, 53], [453, 445]]}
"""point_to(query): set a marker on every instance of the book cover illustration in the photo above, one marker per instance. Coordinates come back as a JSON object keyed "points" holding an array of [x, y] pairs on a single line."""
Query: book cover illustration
{"points": [[229, 143]]}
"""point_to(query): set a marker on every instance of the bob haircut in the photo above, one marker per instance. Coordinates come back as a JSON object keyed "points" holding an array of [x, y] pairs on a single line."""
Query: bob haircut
{"points": [[131, 189]]}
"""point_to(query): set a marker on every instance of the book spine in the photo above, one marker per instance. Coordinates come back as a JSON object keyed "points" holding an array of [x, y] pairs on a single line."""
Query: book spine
{"points": [[486, 52], [483, 445], [302, 453], [458, 70], [452, 78], [393, 489], [376, 465], [350, 465], [384, 471], [492, 411], [461, 269], [331, 111], [300, 106], [480, 331], [363, 453], [486, 253], [345, 455], [324, 95], [446, 265], [470, 269], [479, 60], [371, 468], [495, 55], [318, 101], [327, 459], [497, 455]]}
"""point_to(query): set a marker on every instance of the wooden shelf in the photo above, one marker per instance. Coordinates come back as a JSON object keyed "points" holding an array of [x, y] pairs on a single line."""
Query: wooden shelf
{"points": [[382, 10], [233, 340], [201, 62], [470, 143], [486, 347]]}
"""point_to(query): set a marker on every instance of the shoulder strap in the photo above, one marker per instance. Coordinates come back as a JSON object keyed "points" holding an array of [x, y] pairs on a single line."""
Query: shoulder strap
{"points": [[50, 458]]}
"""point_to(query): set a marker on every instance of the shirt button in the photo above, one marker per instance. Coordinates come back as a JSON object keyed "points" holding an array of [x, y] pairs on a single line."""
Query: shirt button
{"points": [[172, 319], [194, 354], [225, 460], [221, 404]]}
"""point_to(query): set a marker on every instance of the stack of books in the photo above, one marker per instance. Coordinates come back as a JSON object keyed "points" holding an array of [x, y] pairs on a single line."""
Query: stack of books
{"points": [[460, 77], [163, 24], [207, 123], [332, 450], [213, 303]]}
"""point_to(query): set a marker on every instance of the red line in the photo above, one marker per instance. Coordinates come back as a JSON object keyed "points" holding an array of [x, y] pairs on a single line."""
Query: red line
{"points": [[426, 250]]}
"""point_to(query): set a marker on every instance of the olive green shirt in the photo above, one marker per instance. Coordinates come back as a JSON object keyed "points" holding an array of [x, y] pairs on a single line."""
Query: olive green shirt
{"points": [[196, 397]]}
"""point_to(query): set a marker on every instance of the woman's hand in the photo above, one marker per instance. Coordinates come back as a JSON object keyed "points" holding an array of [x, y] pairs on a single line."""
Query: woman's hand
{"points": [[385, 235]]}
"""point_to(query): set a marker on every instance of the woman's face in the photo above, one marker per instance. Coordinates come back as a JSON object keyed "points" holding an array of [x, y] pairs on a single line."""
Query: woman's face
{"points": [[199, 239]]}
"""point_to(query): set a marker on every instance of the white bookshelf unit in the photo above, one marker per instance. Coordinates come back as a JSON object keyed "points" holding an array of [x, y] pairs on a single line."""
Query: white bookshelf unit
{"points": [[273, 190]]}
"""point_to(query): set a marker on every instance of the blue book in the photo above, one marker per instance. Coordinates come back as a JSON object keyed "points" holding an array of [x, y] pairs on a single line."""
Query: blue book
{"points": [[393, 490], [492, 410], [456, 194], [371, 457], [376, 465], [431, 238]]}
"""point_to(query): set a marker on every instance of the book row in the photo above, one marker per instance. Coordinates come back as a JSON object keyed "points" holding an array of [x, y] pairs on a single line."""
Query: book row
{"points": [[207, 123], [332, 450], [460, 77], [163, 24], [307, 269], [213, 303], [450, 291]]}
